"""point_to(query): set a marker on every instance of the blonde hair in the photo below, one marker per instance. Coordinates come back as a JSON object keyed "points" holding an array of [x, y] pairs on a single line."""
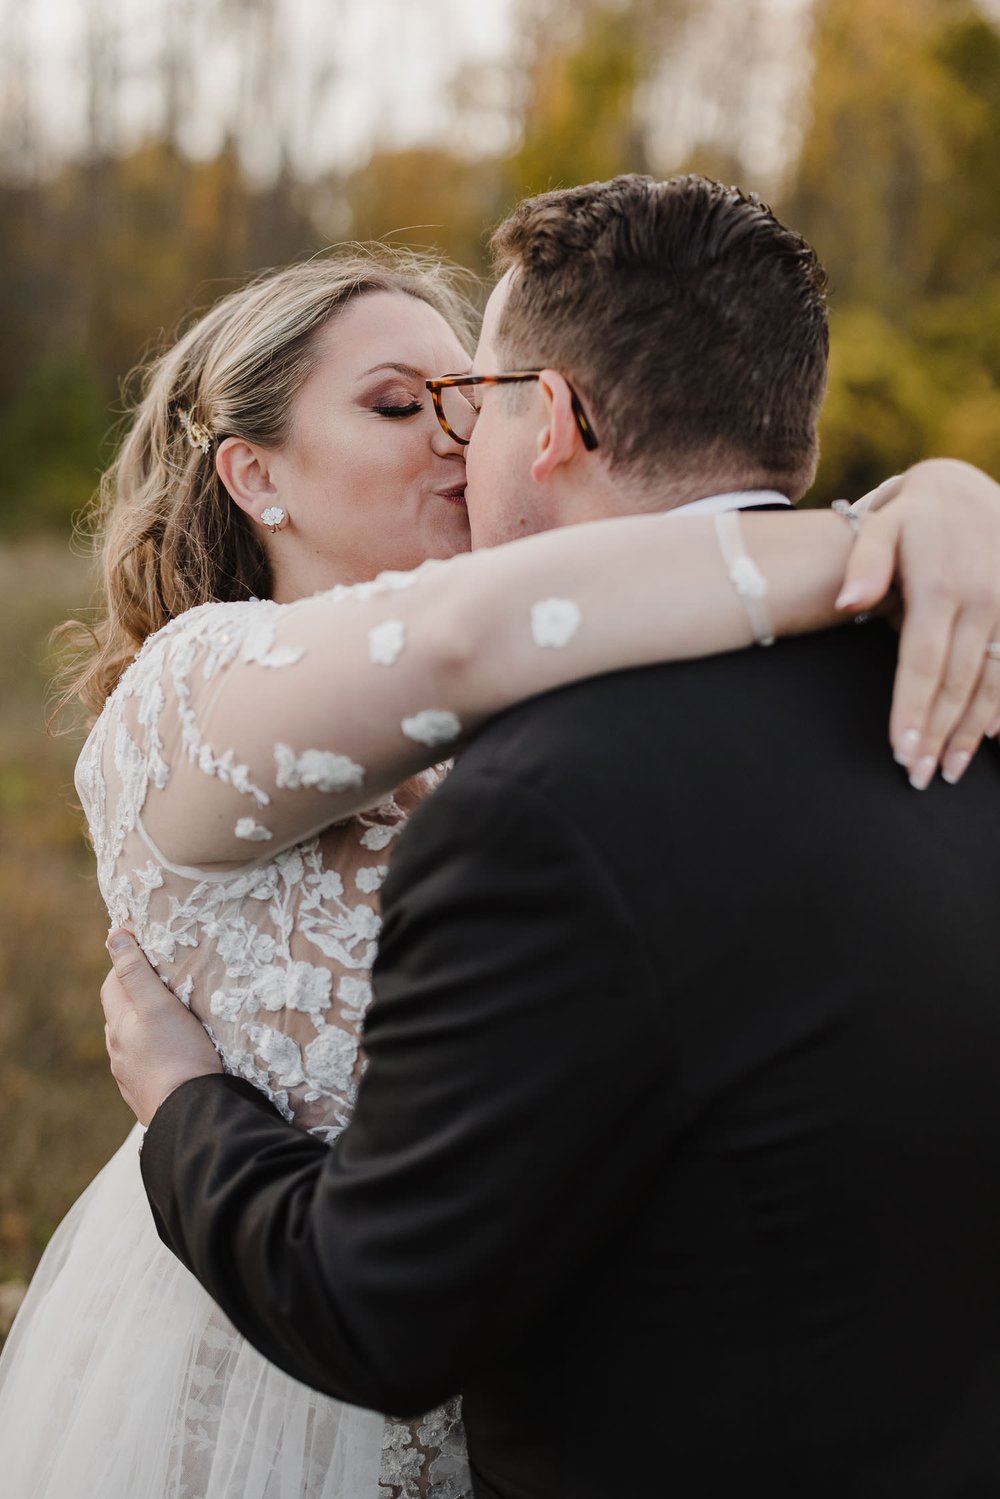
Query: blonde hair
{"points": [[167, 534]]}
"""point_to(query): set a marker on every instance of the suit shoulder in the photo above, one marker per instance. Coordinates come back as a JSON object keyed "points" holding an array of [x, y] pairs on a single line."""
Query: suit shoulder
{"points": [[565, 734], [626, 722]]}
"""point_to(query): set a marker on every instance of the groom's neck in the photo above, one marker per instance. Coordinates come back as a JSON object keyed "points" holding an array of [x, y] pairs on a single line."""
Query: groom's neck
{"points": [[609, 495]]}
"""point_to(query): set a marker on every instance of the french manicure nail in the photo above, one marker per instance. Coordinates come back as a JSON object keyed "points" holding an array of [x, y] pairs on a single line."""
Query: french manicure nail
{"points": [[852, 595], [923, 773], [955, 766], [907, 747], [994, 729]]}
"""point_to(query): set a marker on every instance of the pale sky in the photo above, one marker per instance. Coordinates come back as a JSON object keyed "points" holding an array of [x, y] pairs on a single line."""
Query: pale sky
{"points": [[347, 72], [339, 76]]}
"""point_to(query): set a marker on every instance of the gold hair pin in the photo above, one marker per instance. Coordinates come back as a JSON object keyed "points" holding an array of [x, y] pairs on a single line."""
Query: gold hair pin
{"points": [[198, 435]]}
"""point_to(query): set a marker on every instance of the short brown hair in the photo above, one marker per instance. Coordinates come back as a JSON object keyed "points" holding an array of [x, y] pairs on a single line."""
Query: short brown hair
{"points": [[693, 323]]}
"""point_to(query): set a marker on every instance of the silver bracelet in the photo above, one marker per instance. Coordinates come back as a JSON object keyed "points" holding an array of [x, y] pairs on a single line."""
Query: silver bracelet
{"points": [[745, 576]]}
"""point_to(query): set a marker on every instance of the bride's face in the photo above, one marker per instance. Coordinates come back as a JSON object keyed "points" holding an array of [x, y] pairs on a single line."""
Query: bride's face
{"points": [[368, 478]]}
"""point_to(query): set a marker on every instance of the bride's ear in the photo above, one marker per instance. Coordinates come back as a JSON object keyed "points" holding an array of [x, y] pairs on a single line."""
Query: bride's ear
{"points": [[243, 469], [559, 440]]}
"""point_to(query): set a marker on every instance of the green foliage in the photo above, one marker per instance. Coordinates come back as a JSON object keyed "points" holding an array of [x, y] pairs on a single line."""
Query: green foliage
{"points": [[96, 265], [60, 1114], [410, 198], [585, 66], [881, 406], [52, 438], [898, 187], [899, 393]]}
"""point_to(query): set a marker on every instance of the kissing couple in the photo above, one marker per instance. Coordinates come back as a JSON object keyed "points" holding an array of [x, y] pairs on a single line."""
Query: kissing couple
{"points": [[673, 1144]]}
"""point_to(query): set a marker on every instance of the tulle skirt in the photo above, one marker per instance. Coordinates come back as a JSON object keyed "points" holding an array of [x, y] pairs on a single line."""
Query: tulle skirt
{"points": [[121, 1379]]}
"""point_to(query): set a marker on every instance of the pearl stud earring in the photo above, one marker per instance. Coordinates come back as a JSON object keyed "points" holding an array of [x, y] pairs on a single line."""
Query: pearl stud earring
{"points": [[273, 516]]}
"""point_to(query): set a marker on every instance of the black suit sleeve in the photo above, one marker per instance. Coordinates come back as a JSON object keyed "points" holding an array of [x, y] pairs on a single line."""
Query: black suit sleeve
{"points": [[516, 1058]]}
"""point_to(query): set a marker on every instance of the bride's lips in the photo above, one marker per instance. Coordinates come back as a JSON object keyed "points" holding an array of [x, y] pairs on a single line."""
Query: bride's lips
{"points": [[456, 494]]}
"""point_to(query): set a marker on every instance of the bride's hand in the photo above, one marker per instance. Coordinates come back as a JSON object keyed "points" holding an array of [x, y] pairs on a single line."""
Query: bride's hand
{"points": [[934, 533], [154, 1043]]}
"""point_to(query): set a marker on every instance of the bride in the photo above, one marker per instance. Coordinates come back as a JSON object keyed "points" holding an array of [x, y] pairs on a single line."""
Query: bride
{"points": [[267, 718]]}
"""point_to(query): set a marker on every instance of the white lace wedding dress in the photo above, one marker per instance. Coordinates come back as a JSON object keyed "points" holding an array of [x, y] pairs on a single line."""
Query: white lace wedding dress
{"points": [[225, 792], [244, 786]]}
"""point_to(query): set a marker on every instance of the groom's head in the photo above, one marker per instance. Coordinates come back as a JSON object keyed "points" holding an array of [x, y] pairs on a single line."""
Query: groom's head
{"points": [[678, 322]]}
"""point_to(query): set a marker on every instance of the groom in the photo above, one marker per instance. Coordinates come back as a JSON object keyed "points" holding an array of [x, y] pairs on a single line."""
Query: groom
{"points": [[679, 1147]]}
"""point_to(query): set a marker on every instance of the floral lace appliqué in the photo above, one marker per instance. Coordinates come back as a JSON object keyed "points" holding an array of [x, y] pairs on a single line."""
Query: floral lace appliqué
{"points": [[273, 956]]}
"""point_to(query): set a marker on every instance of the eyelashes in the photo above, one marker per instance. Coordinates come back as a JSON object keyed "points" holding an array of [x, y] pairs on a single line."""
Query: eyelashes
{"points": [[409, 410]]}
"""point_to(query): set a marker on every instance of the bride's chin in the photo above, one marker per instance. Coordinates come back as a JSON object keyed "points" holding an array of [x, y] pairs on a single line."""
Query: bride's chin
{"points": [[455, 535]]}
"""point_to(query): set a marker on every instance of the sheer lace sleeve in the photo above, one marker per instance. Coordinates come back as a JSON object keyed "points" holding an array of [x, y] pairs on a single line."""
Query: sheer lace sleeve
{"points": [[426, 1458], [263, 723]]}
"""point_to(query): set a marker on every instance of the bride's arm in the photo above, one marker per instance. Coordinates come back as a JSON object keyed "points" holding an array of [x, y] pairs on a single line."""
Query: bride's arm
{"points": [[318, 708], [291, 717]]}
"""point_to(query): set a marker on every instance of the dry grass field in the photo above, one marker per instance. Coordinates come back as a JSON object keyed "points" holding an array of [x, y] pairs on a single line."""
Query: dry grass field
{"points": [[60, 1114]]}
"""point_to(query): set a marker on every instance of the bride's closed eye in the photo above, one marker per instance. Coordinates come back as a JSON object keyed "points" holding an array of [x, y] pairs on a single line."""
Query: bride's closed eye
{"points": [[393, 398], [387, 408]]}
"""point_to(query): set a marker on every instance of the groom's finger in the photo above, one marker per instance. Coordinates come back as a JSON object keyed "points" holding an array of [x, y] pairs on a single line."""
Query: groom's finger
{"points": [[140, 982], [114, 1002]]}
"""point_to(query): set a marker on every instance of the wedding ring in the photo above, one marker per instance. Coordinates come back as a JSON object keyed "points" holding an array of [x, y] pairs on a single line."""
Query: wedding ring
{"points": [[843, 508], [993, 650]]}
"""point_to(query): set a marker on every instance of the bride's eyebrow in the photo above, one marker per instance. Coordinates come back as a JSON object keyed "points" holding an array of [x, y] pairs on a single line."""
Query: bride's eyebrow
{"points": [[390, 364]]}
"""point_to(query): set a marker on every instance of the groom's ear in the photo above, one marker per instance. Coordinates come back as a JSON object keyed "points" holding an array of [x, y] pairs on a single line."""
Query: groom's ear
{"points": [[559, 440]]}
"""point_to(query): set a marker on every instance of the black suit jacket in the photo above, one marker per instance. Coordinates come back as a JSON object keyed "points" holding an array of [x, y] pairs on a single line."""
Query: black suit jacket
{"points": [[679, 1147]]}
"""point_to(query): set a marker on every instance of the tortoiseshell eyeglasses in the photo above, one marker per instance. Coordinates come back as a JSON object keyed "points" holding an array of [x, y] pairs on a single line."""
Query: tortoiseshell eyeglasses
{"points": [[448, 391]]}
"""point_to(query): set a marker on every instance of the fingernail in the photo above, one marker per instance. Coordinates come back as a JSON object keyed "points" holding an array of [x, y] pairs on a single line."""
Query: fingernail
{"points": [[907, 747], [851, 595], [994, 729], [119, 941], [923, 773], [955, 766]]}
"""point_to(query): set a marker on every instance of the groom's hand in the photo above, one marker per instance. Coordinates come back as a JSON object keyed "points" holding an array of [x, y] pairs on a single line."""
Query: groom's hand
{"points": [[936, 536], [154, 1043]]}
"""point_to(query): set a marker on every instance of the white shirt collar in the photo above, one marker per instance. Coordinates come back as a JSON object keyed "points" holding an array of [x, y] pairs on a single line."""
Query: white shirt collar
{"points": [[746, 499]]}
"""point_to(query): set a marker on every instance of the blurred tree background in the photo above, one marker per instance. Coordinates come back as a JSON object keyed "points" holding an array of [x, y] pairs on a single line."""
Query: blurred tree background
{"points": [[152, 154]]}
